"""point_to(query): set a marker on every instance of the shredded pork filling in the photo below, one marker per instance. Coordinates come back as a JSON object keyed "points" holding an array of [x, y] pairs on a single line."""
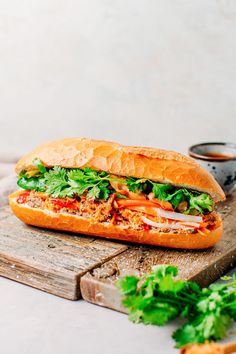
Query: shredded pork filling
{"points": [[103, 211]]}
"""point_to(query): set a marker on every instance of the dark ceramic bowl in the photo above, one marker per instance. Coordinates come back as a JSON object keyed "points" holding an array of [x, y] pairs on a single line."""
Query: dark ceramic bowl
{"points": [[220, 160]]}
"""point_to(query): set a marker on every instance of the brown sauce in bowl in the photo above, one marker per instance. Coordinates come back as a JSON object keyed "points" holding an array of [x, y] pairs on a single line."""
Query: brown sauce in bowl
{"points": [[217, 155]]}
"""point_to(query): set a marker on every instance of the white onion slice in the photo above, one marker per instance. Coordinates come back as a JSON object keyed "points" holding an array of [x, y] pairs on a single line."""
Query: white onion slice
{"points": [[165, 225], [177, 216]]}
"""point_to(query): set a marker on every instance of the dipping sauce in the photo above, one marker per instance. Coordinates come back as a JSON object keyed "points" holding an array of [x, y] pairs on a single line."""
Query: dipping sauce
{"points": [[219, 159], [217, 155]]}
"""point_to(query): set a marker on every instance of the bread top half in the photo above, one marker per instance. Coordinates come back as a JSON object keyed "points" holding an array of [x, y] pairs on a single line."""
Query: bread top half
{"points": [[131, 161]]}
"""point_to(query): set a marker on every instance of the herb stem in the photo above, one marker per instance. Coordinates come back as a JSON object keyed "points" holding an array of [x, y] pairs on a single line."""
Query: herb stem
{"points": [[229, 304]]}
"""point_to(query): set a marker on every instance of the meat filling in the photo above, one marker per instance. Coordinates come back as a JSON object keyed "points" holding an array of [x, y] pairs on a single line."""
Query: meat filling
{"points": [[101, 211]]}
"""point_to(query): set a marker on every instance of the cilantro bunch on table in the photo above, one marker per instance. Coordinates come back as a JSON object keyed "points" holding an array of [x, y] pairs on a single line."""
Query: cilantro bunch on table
{"points": [[158, 297]]}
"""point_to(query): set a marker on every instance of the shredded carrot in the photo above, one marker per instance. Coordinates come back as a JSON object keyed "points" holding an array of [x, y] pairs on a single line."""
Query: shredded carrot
{"points": [[125, 203], [203, 224], [207, 231], [40, 195], [203, 231], [145, 210]]}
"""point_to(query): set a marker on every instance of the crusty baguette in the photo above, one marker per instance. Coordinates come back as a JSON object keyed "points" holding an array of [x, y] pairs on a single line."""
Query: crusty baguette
{"points": [[77, 224], [154, 164]]}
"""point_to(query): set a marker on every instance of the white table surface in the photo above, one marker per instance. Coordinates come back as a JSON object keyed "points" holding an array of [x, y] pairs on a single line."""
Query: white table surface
{"points": [[32, 321], [159, 73], [35, 322]]}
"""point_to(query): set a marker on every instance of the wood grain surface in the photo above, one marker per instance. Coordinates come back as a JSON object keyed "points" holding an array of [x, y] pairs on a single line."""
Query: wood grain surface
{"points": [[47, 260], [98, 285]]}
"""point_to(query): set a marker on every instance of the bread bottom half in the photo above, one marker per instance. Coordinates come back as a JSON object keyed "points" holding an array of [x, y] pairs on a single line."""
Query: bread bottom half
{"points": [[77, 224]]}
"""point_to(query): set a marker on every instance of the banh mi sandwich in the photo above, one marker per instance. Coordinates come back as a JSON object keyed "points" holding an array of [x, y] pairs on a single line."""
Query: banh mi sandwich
{"points": [[136, 194]]}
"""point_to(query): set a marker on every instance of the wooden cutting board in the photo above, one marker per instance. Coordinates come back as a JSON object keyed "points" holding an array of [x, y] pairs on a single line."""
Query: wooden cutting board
{"points": [[47, 260], [73, 266]]}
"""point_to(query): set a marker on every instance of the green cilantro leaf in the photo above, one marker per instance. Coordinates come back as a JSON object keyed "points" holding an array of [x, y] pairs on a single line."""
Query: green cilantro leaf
{"points": [[55, 181], [75, 175], [200, 202], [162, 191], [159, 314], [94, 192], [169, 284], [104, 190], [185, 335], [163, 270], [135, 185], [128, 285], [178, 197]]}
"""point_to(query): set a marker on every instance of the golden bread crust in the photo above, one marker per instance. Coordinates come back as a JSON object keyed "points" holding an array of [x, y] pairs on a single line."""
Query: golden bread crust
{"points": [[140, 162], [75, 224]]}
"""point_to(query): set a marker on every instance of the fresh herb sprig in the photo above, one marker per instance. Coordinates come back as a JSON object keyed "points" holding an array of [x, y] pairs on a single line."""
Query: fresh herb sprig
{"points": [[157, 298], [61, 182], [197, 202]]}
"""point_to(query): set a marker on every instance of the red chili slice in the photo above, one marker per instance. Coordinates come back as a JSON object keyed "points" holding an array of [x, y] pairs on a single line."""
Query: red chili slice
{"points": [[64, 203], [22, 197], [146, 227]]}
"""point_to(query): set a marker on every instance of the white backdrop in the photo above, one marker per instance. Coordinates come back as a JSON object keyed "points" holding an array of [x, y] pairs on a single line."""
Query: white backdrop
{"points": [[150, 72]]}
